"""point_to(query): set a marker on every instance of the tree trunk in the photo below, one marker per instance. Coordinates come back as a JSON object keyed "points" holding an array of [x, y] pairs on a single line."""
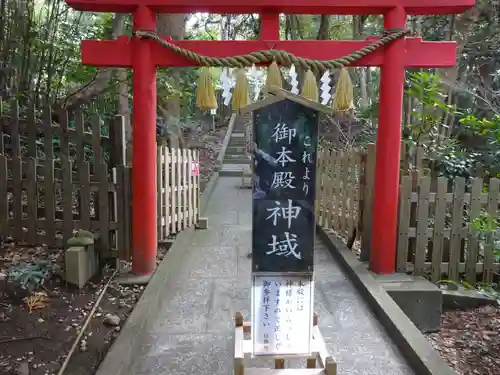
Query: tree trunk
{"points": [[172, 25], [357, 32], [123, 106], [102, 78]]}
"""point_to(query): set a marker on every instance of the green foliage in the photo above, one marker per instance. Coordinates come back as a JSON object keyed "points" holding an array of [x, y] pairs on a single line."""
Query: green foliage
{"points": [[30, 276], [487, 131], [487, 229], [428, 107], [452, 160], [448, 284]]}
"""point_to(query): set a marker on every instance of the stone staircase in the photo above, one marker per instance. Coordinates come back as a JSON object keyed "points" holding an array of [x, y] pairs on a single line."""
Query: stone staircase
{"points": [[236, 159]]}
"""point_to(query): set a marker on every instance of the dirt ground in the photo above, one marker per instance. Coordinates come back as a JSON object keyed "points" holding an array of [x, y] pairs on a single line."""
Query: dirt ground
{"points": [[469, 340], [36, 342]]}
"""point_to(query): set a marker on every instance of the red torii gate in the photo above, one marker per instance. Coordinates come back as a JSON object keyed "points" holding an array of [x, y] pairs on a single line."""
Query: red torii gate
{"points": [[144, 55]]}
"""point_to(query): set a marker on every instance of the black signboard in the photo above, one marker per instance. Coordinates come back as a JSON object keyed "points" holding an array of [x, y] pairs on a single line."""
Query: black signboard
{"points": [[284, 187]]}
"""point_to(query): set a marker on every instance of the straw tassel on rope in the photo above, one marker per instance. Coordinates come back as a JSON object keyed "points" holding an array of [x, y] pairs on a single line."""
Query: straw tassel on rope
{"points": [[241, 96], [310, 87], [274, 76], [205, 92], [343, 100]]}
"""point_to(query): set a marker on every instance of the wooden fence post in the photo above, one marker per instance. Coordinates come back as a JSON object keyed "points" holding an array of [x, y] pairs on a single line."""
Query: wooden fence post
{"points": [[369, 174]]}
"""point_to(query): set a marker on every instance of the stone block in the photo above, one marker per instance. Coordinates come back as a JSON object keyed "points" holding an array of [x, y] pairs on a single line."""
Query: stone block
{"points": [[81, 264], [202, 223], [419, 299], [246, 173], [465, 299], [167, 244]]}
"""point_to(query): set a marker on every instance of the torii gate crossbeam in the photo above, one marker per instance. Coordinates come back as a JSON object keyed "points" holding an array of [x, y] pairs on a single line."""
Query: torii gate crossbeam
{"points": [[144, 55]]}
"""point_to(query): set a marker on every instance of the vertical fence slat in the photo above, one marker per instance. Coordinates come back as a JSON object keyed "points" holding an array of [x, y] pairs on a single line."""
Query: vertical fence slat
{"points": [[337, 196], [84, 177], [327, 188], [472, 241], [159, 194], [197, 189], [456, 229], [48, 179], [48, 135], [31, 130], [185, 174], [79, 139], [439, 223], [178, 189], [368, 203], [15, 136], [102, 175], [190, 188], [167, 189], [121, 204], [352, 191], [173, 193], [96, 144], [332, 220], [17, 198], [127, 220], [4, 208], [63, 134], [345, 190], [405, 192], [336, 201], [117, 134], [49, 203], [67, 197], [319, 188], [492, 207], [422, 224], [2, 127], [31, 197]]}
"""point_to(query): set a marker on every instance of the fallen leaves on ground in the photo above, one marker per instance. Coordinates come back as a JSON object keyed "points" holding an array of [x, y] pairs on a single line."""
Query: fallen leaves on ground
{"points": [[36, 301], [469, 341]]}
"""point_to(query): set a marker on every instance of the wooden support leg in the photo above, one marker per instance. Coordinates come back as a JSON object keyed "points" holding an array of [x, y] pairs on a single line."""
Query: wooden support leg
{"points": [[327, 364], [279, 363], [239, 355], [311, 363], [330, 366]]}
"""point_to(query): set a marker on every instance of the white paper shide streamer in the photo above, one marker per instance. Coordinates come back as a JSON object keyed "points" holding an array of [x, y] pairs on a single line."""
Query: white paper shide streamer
{"points": [[325, 88], [293, 80], [256, 79], [227, 84]]}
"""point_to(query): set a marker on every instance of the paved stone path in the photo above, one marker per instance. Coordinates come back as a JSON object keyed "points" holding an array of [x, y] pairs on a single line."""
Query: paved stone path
{"points": [[185, 326]]}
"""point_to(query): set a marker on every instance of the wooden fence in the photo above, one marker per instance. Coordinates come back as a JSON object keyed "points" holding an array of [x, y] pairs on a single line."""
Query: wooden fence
{"points": [[435, 231], [436, 236], [57, 177], [339, 194], [178, 184]]}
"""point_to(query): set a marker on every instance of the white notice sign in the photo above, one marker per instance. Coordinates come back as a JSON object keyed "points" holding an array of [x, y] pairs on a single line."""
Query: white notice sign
{"points": [[282, 314]]}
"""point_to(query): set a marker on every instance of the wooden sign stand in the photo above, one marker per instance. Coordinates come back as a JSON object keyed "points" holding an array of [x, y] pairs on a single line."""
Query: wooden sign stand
{"points": [[242, 346]]}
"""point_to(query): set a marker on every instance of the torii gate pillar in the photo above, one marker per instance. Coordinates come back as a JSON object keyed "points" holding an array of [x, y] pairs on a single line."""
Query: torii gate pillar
{"points": [[144, 232], [386, 192]]}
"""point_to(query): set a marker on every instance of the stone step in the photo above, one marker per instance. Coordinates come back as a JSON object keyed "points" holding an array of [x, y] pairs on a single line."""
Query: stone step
{"points": [[232, 170], [236, 161], [235, 157], [237, 143], [240, 150]]}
